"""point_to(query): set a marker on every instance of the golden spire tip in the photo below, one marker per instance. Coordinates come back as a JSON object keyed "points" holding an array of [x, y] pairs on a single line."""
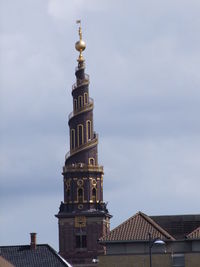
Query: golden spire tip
{"points": [[80, 45]]}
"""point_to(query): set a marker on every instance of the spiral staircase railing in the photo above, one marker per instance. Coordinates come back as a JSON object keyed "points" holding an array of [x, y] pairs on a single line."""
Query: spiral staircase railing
{"points": [[82, 109], [81, 82], [86, 145]]}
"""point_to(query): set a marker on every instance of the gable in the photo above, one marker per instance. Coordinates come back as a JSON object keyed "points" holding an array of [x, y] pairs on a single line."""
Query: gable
{"points": [[137, 228]]}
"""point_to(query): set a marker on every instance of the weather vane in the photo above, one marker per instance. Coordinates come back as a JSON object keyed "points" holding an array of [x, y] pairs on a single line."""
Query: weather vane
{"points": [[80, 45]]}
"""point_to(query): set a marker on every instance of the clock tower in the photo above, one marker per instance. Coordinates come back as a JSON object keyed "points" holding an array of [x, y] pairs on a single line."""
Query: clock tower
{"points": [[83, 216]]}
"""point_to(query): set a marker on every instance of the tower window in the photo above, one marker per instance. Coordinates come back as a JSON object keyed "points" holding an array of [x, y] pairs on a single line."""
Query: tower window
{"points": [[91, 161], [80, 101], [94, 195], [80, 134], [81, 241], [75, 104], [89, 130], [72, 136], [68, 194], [85, 98], [80, 195]]}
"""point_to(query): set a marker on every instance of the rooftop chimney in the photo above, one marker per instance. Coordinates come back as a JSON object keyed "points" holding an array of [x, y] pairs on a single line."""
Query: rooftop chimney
{"points": [[33, 240]]}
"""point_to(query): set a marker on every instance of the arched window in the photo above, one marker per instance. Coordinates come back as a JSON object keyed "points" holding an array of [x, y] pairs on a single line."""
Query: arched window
{"points": [[94, 195], [68, 195], [75, 104], [85, 98], [89, 130], [80, 101], [80, 134], [80, 195], [91, 161], [72, 137]]}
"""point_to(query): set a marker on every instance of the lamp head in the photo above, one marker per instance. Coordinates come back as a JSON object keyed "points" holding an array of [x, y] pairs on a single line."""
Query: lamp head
{"points": [[159, 242]]}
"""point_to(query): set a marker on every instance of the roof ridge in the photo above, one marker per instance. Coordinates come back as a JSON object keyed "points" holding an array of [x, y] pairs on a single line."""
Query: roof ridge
{"points": [[157, 226], [27, 245], [59, 257], [145, 217], [176, 215]]}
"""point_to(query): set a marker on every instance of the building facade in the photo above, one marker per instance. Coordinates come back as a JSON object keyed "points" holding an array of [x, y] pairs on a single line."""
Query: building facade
{"points": [[83, 216], [128, 244]]}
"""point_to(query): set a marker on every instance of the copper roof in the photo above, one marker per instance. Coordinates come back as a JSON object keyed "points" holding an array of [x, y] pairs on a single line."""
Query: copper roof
{"points": [[137, 228]]}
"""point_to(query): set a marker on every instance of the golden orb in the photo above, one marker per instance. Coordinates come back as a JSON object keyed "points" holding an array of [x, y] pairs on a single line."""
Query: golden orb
{"points": [[80, 45]]}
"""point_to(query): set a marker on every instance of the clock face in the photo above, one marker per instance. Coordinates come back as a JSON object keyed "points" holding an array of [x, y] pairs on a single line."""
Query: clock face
{"points": [[80, 221]]}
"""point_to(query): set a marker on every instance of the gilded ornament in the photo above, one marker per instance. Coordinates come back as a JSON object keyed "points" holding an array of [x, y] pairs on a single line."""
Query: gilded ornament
{"points": [[80, 45], [80, 182]]}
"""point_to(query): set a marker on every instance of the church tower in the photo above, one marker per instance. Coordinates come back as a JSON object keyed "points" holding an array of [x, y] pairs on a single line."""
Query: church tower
{"points": [[83, 217]]}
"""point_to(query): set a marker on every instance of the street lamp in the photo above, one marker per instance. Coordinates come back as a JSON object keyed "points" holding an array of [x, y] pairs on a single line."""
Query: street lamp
{"points": [[151, 243], [95, 260]]}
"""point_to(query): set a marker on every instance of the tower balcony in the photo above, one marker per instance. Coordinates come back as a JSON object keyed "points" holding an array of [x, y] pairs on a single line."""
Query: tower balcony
{"points": [[81, 167], [81, 82], [87, 107], [67, 209]]}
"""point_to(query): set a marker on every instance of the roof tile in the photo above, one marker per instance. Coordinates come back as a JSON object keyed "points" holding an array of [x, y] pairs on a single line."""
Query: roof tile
{"points": [[137, 228], [42, 256]]}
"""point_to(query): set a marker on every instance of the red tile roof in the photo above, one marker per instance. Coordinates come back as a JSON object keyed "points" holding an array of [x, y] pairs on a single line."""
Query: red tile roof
{"points": [[137, 228], [194, 234]]}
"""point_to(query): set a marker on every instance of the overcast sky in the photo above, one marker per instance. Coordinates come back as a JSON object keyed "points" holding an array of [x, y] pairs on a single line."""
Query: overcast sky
{"points": [[143, 58]]}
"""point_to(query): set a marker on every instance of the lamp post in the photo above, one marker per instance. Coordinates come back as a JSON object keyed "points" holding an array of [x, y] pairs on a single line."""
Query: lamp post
{"points": [[151, 243]]}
